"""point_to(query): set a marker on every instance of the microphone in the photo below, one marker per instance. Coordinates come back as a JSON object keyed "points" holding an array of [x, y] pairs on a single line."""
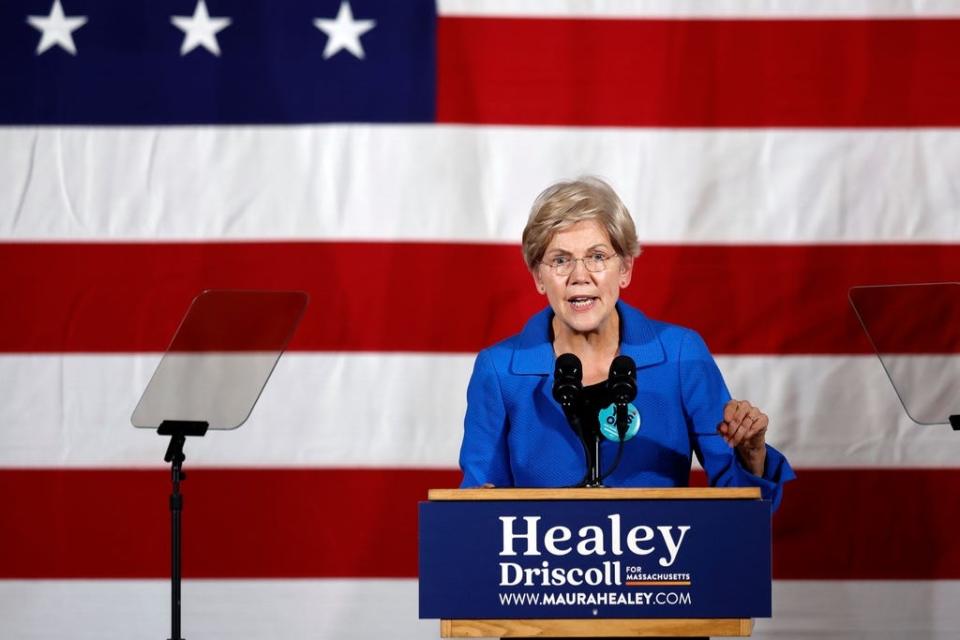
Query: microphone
{"points": [[567, 389], [568, 382], [622, 387]]}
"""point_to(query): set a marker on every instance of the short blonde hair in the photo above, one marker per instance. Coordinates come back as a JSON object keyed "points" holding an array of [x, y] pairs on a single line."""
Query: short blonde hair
{"points": [[568, 202]]}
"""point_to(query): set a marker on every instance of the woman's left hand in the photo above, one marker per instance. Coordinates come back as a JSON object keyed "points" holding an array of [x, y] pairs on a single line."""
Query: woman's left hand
{"points": [[744, 428]]}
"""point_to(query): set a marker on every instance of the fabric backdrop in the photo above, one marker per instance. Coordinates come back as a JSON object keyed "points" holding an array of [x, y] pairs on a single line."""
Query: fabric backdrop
{"points": [[773, 153]]}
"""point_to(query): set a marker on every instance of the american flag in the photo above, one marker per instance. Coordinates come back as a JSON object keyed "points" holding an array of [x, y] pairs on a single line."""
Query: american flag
{"points": [[382, 155]]}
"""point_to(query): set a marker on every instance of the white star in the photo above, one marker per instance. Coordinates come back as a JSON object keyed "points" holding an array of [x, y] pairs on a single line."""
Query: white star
{"points": [[200, 29], [57, 29], [344, 32]]}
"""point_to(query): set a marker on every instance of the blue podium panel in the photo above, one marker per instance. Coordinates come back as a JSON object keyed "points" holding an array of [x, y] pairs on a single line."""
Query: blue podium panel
{"points": [[595, 559]]}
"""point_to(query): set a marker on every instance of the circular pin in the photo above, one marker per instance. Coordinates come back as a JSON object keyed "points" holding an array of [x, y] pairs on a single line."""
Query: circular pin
{"points": [[608, 422]]}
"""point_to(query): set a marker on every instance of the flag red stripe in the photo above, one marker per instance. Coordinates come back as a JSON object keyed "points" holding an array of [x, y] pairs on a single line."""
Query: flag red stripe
{"points": [[116, 297], [900, 318], [240, 321], [295, 523], [699, 73], [237, 523], [869, 524]]}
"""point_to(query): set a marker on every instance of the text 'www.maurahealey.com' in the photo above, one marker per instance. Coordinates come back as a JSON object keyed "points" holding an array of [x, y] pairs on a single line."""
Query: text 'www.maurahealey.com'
{"points": [[637, 598]]}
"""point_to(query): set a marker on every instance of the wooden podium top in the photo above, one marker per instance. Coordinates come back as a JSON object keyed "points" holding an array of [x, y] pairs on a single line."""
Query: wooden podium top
{"points": [[673, 493], [608, 628]]}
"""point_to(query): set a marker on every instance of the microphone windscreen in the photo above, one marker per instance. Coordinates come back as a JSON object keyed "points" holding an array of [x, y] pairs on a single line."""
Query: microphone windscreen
{"points": [[567, 377], [622, 381], [569, 367], [623, 366]]}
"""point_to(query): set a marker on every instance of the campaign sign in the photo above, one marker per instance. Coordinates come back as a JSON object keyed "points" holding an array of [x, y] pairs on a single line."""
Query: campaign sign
{"points": [[595, 559]]}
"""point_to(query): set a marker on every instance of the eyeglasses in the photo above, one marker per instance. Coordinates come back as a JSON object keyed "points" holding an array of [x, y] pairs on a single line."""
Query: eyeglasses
{"points": [[564, 265]]}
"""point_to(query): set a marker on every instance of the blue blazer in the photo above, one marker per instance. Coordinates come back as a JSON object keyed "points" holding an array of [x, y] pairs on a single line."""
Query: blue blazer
{"points": [[516, 435]]}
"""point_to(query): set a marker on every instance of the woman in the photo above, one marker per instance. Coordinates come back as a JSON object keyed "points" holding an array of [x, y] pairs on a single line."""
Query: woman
{"points": [[579, 245]]}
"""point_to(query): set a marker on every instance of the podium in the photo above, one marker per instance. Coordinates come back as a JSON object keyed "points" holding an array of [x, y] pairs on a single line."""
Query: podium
{"points": [[598, 562]]}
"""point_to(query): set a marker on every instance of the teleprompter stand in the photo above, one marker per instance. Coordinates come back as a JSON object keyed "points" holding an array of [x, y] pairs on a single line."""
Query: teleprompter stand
{"points": [[210, 378], [178, 430], [915, 331]]}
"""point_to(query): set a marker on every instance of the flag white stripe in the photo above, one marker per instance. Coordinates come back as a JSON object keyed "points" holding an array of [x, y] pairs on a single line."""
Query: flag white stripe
{"points": [[876, 609], [701, 8], [406, 410], [475, 184], [237, 609], [310, 609]]}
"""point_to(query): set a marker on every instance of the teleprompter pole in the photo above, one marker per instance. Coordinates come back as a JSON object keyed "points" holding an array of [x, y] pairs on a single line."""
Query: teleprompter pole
{"points": [[178, 430]]}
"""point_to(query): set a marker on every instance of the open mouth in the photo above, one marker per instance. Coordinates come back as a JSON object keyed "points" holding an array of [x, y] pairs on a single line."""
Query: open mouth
{"points": [[582, 303]]}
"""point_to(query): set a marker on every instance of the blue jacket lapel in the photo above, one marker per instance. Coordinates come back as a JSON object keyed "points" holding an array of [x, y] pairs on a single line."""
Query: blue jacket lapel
{"points": [[533, 354]]}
